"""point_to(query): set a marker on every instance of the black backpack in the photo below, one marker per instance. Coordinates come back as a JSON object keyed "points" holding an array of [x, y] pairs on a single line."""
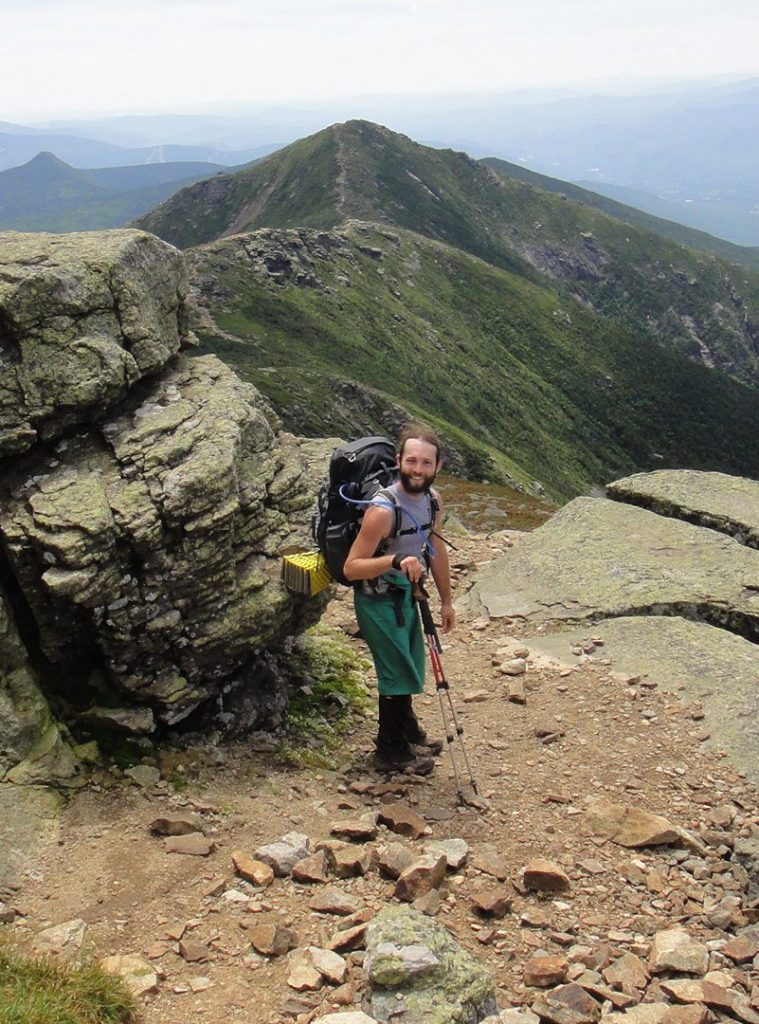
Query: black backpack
{"points": [[358, 471]]}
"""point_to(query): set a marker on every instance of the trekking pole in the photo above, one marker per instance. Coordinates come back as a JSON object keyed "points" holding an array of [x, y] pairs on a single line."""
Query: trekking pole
{"points": [[442, 687]]}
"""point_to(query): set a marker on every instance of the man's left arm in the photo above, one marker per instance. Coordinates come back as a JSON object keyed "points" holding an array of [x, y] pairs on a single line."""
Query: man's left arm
{"points": [[441, 571]]}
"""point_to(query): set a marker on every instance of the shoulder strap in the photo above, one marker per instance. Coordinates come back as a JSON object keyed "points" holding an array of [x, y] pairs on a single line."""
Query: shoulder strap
{"points": [[386, 492]]}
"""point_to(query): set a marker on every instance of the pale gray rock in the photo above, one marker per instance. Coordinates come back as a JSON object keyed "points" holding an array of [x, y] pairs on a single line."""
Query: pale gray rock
{"points": [[137, 973], [127, 721], [284, 854], [455, 851], [63, 940], [729, 504], [84, 316], [144, 775], [394, 966], [675, 950], [458, 990]]}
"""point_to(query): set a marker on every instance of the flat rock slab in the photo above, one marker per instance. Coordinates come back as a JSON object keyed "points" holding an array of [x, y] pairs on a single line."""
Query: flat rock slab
{"points": [[598, 557], [715, 667], [29, 819], [729, 504]]}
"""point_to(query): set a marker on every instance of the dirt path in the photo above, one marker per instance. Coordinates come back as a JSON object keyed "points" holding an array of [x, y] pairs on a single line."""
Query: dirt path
{"points": [[623, 741]]}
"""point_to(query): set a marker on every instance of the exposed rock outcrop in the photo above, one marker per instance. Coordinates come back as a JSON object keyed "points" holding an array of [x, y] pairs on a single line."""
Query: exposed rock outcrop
{"points": [[82, 318], [140, 534]]}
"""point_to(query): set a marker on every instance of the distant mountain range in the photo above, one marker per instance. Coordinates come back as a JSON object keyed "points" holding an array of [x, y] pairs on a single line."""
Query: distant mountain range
{"points": [[47, 194], [356, 277]]}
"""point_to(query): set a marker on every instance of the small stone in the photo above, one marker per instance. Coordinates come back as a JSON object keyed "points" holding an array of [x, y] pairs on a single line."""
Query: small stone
{"points": [[491, 862], [628, 973], [493, 902], [675, 950], [424, 874], [175, 825], [200, 984], [63, 940], [304, 977], [7, 913], [394, 966], [403, 820], [692, 1014], [355, 829], [544, 971], [344, 995], [272, 939], [544, 876], [347, 861], [514, 667], [251, 870], [311, 869], [394, 858], [569, 1003], [144, 775], [516, 692], [455, 851], [349, 939], [328, 963], [741, 949], [644, 1013], [136, 973], [193, 952], [333, 901], [155, 950], [283, 855], [193, 844], [477, 696], [235, 896], [428, 904]]}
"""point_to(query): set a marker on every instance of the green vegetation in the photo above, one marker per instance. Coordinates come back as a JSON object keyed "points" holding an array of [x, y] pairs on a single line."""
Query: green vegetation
{"points": [[690, 300], [40, 991], [566, 397], [328, 691]]}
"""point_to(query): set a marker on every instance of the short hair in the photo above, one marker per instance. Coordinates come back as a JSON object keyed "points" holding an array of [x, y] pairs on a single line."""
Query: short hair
{"points": [[418, 431]]}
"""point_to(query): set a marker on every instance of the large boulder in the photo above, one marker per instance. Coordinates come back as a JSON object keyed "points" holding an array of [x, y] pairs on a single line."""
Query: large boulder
{"points": [[419, 973], [82, 318], [140, 548], [729, 504]]}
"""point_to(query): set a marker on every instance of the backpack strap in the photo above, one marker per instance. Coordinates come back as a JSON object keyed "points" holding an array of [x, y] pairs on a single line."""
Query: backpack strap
{"points": [[434, 509]]}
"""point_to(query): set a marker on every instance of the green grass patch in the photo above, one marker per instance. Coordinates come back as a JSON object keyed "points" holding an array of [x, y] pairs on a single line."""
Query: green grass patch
{"points": [[328, 690], [40, 991]]}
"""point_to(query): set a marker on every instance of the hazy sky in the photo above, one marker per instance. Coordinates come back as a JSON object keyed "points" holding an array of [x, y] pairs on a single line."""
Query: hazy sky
{"points": [[118, 56]]}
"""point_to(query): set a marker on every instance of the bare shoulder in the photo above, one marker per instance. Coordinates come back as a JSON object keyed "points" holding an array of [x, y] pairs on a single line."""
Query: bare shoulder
{"points": [[377, 519]]}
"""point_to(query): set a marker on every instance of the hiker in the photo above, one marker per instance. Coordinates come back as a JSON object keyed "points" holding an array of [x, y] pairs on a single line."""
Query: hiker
{"points": [[387, 567]]}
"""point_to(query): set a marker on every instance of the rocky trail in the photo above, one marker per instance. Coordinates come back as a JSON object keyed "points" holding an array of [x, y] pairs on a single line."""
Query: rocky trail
{"points": [[663, 929]]}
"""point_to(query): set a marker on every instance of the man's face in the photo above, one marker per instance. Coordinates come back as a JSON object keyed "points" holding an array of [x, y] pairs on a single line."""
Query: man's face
{"points": [[418, 465]]}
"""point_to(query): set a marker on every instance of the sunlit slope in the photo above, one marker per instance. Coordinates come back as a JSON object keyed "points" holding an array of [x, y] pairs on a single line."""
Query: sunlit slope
{"points": [[687, 299], [569, 398]]}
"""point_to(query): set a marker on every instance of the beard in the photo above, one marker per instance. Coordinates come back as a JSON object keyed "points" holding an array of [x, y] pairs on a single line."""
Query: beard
{"points": [[414, 485]]}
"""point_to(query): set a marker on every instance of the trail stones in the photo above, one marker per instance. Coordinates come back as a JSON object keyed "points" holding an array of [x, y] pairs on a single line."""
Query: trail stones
{"points": [[455, 851], [492, 902], [348, 939], [333, 901], [348, 861], [63, 940], [175, 825], [491, 862], [251, 870], [568, 1004], [330, 965], [144, 775], [516, 692], [628, 973], [303, 976], [544, 971], [629, 826], [394, 858], [741, 949], [514, 667], [544, 876], [424, 874], [272, 939], [356, 829], [675, 950], [458, 988], [193, 951], [311, 869], [137, 974], [403, 820], [193, 844], [283, 855]]}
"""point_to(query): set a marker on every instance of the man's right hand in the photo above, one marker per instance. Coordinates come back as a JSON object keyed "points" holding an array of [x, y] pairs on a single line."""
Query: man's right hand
{"points": [[412, 568]]}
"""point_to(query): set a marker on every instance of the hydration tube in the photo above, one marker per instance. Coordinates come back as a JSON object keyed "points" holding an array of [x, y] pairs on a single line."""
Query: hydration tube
{"points": [[386, 503]]}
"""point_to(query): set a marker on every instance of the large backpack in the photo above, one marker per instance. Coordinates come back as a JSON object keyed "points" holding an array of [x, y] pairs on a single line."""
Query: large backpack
{"points": [[358, 471]]}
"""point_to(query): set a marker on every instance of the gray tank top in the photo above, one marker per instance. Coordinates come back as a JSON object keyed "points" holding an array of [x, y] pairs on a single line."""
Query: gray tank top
{"points": [[416, 512]]}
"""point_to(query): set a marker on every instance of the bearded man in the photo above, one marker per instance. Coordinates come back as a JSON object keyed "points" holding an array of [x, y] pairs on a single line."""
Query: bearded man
{"points": [[397, 545]]}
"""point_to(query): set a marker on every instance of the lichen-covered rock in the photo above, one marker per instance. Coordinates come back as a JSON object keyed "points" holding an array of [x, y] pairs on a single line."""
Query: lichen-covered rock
{"points": [[82, 318], [455, 990], [721, 502], [146, 545]]}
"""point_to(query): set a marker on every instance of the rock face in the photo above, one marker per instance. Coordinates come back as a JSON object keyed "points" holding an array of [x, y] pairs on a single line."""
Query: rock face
{"points": [[140, 541], [729, 504], [82, 318], [417, 967]]}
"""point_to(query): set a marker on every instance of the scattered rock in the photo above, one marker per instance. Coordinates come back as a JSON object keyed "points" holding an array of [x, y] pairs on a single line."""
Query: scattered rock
{"points": [[516, 692], [489, 860], [251, 870], [629, 974], [272, 939], [424, 874], [544, 876], [194, 844], [493, 902], [176, 825], [144, 775], [333, 901], [193, 952], [348, 939], [634, 826], [329, 964], [283, 855], [544, 971], [428, 904], [394, 966], [514, 667], [311, 869], [741, 949], [455, 851], [568, 1004], [356, 829], [137, 974], [675, 950], [62, 940], [394, 858], [402, 819], [347, 861]]}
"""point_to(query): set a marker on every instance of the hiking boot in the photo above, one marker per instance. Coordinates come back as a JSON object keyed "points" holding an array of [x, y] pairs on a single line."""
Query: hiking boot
{"points": [[414, 734]]}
